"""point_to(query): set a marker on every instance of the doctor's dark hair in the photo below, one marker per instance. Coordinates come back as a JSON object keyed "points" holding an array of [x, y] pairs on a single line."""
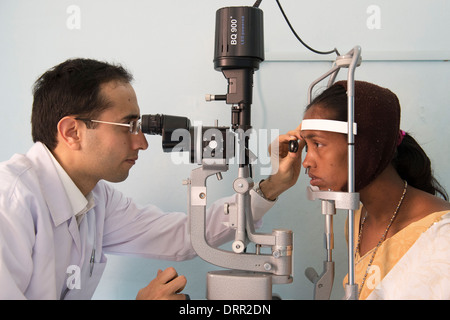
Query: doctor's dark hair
{"points": [[409, 159], [70, 88]]}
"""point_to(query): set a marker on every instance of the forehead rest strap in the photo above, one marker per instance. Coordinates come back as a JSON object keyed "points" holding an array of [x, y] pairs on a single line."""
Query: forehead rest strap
{"points": [[327, 125]]}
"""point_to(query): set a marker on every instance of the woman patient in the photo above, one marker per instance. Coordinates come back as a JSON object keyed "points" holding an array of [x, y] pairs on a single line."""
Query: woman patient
{"points": [[402, 230]]}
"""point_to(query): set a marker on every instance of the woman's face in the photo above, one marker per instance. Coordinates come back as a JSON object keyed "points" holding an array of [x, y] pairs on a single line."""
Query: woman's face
{"points": [[326, 156]]}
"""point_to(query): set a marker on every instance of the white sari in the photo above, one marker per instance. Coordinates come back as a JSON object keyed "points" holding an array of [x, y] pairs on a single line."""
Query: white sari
{"points": [[412, 264], [424, 271]]}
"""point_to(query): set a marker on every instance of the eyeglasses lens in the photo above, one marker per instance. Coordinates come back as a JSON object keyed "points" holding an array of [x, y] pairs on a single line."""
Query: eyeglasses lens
{"points": [[135, 126]]}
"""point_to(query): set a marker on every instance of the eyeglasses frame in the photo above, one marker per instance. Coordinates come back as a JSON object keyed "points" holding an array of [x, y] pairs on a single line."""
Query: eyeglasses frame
{"points": [[130, 125]]}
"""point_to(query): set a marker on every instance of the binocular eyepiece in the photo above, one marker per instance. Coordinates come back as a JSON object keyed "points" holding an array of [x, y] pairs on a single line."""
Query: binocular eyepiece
{"points": [[164, 125], [178, 135]]}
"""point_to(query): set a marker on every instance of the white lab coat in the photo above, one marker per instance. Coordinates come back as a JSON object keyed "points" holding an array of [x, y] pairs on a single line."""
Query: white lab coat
{"points": [[44, 254]]}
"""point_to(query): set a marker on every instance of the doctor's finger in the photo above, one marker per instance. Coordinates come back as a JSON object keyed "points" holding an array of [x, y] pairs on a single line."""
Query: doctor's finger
{"points": [[296, 133], [178, 296], [178, 284], [279, 144], [166, 275]]}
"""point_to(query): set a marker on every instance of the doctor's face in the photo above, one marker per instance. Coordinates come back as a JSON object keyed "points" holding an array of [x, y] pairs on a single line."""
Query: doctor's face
{"points": [[111, 150], [326, 155]]}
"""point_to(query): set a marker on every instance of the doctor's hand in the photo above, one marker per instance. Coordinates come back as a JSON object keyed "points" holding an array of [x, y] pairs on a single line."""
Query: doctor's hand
{"points": [[166, 286], [286, 165]]}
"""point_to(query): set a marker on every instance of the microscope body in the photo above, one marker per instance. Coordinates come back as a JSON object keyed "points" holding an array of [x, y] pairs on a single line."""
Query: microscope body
{"points": [[239, 49]]}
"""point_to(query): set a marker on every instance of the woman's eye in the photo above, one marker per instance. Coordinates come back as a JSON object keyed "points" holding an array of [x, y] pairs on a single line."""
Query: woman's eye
{"points": [[314, 145]]}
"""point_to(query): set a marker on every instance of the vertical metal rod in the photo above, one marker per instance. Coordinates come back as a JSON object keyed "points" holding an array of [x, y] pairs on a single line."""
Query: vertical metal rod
{"points": [[240, 234], [351, 160], [329, 237]]}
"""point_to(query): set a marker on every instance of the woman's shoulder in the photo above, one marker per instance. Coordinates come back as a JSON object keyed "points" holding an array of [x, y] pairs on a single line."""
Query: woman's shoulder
{"points": [[423, 203], [420, 205]]}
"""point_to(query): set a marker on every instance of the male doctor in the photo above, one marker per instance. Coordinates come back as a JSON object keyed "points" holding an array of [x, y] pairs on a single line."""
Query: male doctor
{"points": [[57, 215]]}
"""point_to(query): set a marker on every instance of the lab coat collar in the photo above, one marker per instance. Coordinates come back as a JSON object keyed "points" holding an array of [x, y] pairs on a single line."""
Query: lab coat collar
{"points": [[80, 204], [52, 187]]}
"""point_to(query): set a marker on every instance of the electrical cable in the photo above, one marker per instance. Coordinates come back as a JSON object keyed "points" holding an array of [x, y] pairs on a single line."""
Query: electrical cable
{"points": [[299, 39], [256, 5]]}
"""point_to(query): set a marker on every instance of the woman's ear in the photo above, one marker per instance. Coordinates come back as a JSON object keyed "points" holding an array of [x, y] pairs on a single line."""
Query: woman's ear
{"points": [[69, 132]]}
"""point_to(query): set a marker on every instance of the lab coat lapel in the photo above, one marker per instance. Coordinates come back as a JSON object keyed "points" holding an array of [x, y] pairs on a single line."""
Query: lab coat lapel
{"points": [[75, 233], [53, 191]]}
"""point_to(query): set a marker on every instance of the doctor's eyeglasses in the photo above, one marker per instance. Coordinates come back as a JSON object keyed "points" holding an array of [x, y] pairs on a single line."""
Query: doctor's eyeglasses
{"points": [[134, 125]]}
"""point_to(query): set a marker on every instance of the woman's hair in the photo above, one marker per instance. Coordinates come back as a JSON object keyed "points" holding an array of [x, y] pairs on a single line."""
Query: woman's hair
{"points": [[414, 166], [409, 159], [70, 88]]}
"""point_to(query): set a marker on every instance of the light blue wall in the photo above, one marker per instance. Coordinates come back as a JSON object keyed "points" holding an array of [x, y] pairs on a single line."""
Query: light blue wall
{"points": [[168, 46]]}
